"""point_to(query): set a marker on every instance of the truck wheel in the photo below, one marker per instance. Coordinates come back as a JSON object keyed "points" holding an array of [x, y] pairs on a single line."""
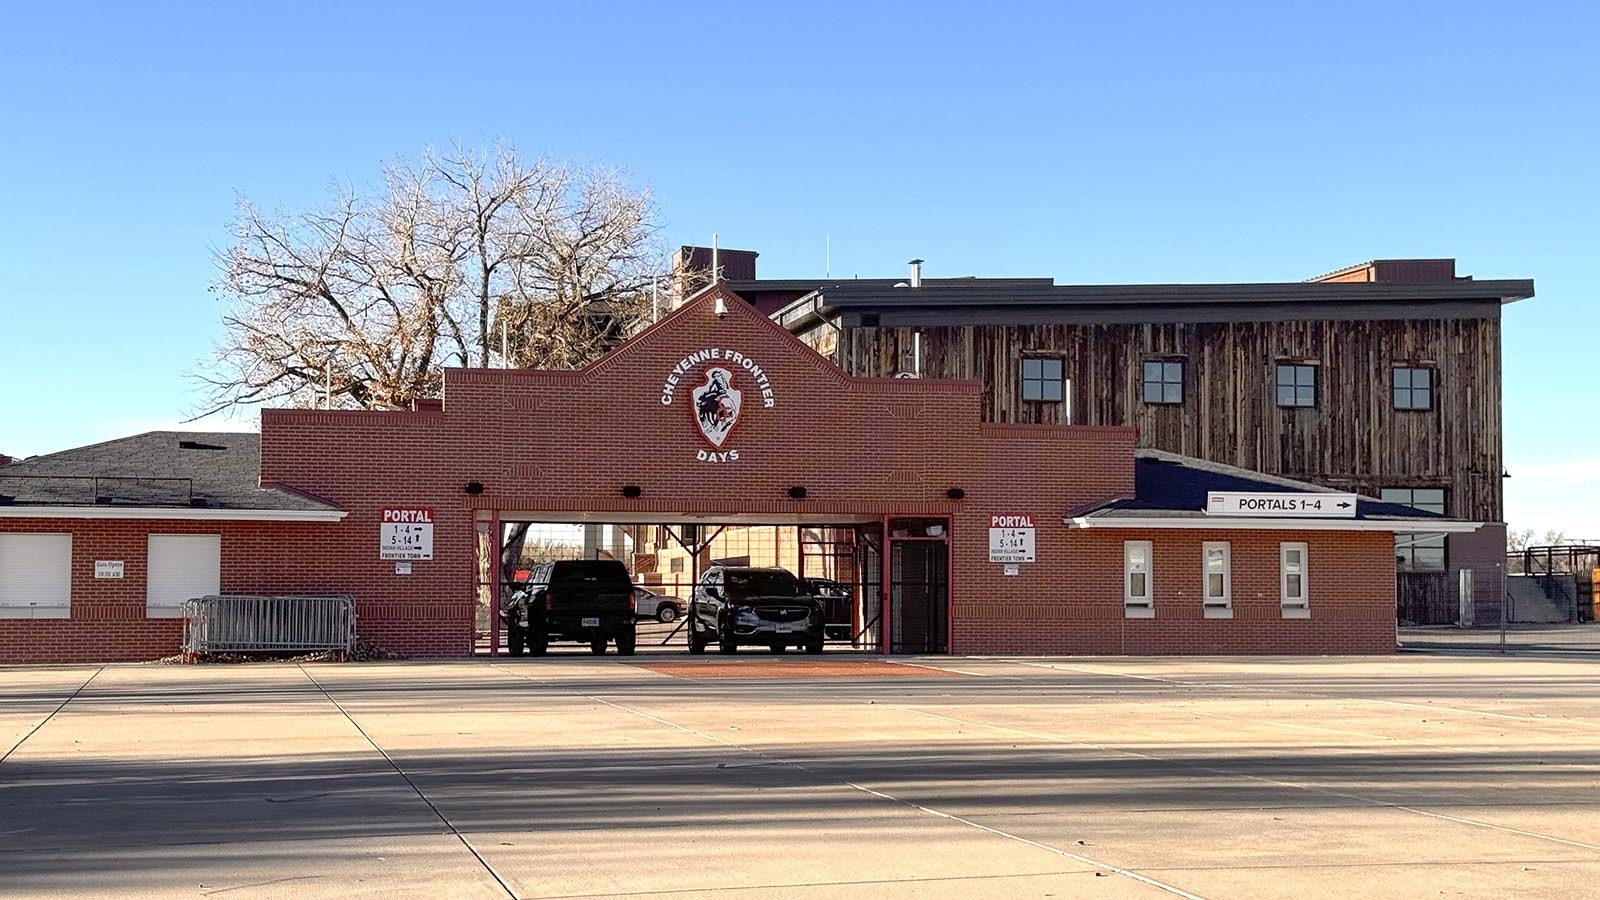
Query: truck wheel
{"points": [[726, 644], [625, 643], [780, 647], [538, 642], [516, 639], [666, 613], [597, 646], [697, 643]]}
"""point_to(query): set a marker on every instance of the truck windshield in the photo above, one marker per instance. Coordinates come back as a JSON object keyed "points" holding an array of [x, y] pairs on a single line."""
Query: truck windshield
{"points": [[759, 583]]}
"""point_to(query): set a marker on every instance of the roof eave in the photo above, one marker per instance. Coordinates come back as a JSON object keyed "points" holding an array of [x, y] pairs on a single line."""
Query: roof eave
{"points": [[172, 513], [1240, 523]]}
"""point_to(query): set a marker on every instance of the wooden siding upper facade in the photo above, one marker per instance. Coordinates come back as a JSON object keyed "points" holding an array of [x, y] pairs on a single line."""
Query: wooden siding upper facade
{"points": [[1352, 438]]}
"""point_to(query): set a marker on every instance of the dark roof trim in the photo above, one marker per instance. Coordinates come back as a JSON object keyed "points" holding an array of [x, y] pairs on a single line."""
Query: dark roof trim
{"points": [[849, 295], [1107, 314]]}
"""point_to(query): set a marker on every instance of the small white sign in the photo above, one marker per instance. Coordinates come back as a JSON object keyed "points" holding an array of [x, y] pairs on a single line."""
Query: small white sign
{"points": [[108, 568], [1011, 538], [1012, 569], [402, 568], [1283, 505], [406, 533]]}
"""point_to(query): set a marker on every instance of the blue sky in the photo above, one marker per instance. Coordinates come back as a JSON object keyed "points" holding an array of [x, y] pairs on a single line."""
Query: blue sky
{"points": [[1090, 142]]}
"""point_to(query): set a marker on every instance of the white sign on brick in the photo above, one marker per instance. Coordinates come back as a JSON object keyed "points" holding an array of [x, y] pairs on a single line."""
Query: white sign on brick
{"points": [[108, 568], [1011, 538], [406, 533]]}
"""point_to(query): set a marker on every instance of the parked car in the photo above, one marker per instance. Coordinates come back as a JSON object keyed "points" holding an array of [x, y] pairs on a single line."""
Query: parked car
{"points": [[584, 600], [838, 605], [648, 604], [735, 605]]}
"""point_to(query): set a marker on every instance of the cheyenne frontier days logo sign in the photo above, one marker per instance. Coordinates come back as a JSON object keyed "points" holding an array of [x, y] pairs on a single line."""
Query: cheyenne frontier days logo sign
{"points": [[716, 402]]}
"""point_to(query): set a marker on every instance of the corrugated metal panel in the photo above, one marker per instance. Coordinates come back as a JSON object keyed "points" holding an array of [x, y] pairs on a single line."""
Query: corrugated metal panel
{"points": [[35, 575]]}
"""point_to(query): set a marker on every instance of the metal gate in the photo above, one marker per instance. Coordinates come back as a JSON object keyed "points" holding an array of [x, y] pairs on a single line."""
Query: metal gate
{"points": [[919, 595]]}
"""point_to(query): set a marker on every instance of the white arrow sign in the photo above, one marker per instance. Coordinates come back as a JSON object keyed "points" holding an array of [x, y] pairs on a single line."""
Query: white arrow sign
{"points": [[1281, 505]]}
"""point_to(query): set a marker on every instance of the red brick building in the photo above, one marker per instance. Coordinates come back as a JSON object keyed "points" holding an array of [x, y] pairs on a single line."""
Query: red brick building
{"points": [[1125, 557]]}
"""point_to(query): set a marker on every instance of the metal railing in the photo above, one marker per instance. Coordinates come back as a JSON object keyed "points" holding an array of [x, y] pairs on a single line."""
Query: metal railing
{"points": [[253, 623]]}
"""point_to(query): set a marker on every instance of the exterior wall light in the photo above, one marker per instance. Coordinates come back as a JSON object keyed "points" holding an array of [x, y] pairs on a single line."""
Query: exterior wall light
{"points": [[474, 487], [955, 494], [797, 492], [631, 491]]}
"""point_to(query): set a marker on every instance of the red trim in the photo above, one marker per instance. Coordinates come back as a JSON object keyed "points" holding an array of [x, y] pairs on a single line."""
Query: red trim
{"points": [[494, 584]]}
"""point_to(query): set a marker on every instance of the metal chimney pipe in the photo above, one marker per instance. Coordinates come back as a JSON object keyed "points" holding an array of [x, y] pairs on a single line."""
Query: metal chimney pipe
{"points": [[916, 273]]}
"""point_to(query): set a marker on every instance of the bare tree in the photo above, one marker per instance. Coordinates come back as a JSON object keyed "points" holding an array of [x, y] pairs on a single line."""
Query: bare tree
{"points": [[371, 300]]}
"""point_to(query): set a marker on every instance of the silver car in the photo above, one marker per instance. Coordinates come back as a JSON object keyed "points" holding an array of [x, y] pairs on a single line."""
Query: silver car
{"points": [[648, 604]]}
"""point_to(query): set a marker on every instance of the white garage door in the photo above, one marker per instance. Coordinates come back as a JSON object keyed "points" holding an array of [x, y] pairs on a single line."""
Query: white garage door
{"points": [[35, 576], [182, 567]]}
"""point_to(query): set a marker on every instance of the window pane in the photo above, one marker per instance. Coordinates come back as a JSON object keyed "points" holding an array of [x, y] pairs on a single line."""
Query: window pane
{"points": [[1173, 372], [1402, 378], [1421, 398], [1427, 558], [1395, 495], [1293, 584], [1291, 559], [1152, 392], [1285, 395], [1172, 393], [1305, 396], [1136, 584], [1214, 560], [1422, 378], [1052, 390], [1285, 376], [1051, 369], [1431, 499], [1031, 389], [1031, 369], [1152, 371], [1214, 585]]}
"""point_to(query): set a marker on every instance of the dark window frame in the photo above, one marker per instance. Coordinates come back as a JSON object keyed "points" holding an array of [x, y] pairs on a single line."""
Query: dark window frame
{"points": [[1410, 390], [1163, 381], [1432, 544], [1295, 385], [1042, 379]]}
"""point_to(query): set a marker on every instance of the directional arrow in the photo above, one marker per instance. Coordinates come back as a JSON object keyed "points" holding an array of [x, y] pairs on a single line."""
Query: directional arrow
{"points": [[1344, 506]]}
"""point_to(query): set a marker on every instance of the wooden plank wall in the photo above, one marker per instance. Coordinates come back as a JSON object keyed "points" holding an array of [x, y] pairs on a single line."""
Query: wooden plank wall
{"points": [[1354, 438]]}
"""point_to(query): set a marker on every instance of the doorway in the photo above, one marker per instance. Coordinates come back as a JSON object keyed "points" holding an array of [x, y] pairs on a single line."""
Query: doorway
{"points": [[919, 587]]}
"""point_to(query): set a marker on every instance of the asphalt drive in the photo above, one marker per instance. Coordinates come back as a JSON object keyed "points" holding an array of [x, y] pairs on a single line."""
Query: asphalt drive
{"points": [[574, 776]]}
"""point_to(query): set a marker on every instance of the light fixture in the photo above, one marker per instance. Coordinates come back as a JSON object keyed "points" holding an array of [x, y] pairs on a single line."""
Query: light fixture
{"points": [[955, 493], [474, 487], [720, 307], [631, 491], [797, 492]]}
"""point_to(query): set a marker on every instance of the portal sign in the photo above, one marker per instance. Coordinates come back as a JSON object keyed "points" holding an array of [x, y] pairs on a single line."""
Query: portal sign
{"points": [[1281, 504], [1011, 538], [406, 533]]}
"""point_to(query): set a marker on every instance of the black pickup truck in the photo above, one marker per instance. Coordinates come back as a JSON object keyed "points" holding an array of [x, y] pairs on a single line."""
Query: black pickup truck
{"points": [[585, 600]]}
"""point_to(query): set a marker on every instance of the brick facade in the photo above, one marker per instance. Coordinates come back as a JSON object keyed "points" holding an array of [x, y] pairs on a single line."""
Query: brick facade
{"points": [[559, 446]]}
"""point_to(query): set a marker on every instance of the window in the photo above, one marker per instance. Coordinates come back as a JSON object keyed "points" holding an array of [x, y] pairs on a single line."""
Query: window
{"points": [[1163, 381], [676, 565], [1136, 587], [1297, 384], [35, 576], [1418, 552], [1292, 575], [182, 567], [1413, 388], [1041, 380], [1218, 575]]}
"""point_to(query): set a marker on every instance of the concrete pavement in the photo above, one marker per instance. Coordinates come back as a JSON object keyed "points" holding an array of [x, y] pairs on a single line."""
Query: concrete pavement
{"points": [[574, 776]]}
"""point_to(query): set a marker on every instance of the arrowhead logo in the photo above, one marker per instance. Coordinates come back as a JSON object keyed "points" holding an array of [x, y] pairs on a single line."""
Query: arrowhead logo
{"points": [[717, 405]]}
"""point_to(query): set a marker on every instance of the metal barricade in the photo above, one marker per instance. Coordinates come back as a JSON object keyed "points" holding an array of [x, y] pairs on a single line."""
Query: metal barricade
{"points": [[257, 623]]}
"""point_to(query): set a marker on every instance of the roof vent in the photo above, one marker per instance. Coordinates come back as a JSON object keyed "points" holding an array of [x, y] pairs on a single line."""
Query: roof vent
{"points": [[199, 445], [916, 273]]}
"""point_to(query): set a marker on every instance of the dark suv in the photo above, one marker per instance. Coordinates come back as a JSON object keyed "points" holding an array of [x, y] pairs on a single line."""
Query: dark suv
{"points": [[736, 605], [584, 600]]}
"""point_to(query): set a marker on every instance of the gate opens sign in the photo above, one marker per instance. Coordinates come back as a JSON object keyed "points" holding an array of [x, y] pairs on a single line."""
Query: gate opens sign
{"points": [[1011, 538], [406, 533]]}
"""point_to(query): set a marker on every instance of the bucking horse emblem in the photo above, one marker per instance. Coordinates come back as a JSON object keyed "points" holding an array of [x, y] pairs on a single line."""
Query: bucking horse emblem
{"points": [[716, 405]]}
